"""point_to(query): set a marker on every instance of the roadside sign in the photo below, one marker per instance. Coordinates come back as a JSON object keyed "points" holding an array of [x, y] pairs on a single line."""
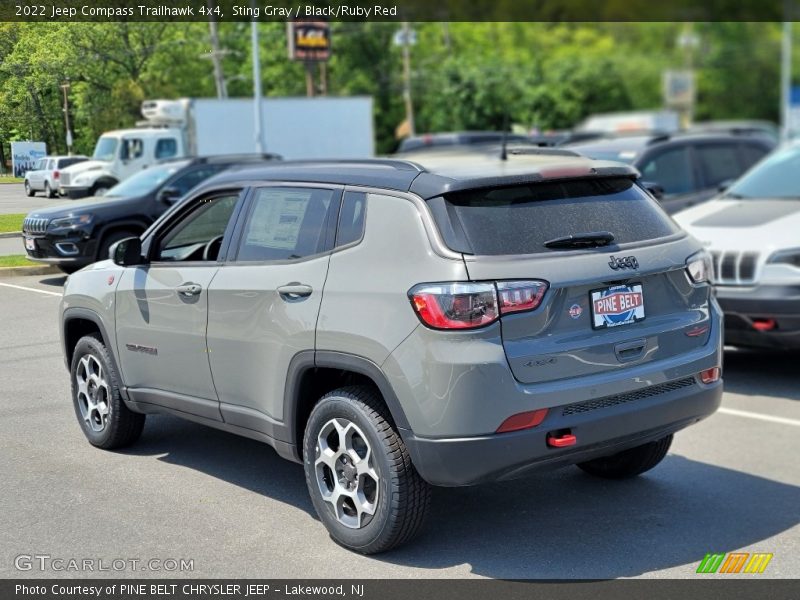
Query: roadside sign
{"points": [[309, 41], [24, 155], [679, 89]]}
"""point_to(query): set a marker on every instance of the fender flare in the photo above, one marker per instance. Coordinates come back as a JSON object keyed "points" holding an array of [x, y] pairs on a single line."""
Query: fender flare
{"points": [[310, 359]]}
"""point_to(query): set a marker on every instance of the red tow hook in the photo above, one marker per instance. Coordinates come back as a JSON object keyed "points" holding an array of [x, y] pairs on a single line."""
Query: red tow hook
{"points": [[561, 439]]}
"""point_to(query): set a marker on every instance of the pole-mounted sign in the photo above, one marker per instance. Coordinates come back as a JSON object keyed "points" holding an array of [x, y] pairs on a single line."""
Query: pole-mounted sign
{"points": [[309, 41]]}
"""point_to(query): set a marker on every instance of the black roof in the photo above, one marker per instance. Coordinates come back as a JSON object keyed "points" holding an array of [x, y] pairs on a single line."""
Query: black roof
{"points": [[432, 175]]}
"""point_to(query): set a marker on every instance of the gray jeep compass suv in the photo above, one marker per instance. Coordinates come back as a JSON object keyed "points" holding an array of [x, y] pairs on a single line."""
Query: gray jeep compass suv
{"points": [[394, 326]]}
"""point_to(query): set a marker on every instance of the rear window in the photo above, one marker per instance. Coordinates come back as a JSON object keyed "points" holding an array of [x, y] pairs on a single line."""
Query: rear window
{"points": [[520, 219]]}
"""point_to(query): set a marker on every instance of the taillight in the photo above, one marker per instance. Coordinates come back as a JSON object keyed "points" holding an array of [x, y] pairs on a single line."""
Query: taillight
{"points": [[56, 174], [517, 296], [455, 305], [471, 305]]}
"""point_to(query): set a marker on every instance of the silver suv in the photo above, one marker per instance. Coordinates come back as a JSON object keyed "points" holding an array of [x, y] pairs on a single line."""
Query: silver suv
{"points": [[394, 326]]}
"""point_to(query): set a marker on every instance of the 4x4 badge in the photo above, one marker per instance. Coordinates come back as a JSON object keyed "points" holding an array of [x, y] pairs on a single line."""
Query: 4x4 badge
{"points": [[626, 262]]}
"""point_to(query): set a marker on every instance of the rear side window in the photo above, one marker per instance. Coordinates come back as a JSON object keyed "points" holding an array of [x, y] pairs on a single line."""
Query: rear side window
{"points": [[351, 218], [520, 219], [751, 154], [287, 224], [720, 162], [672, 170], [66, 162]]}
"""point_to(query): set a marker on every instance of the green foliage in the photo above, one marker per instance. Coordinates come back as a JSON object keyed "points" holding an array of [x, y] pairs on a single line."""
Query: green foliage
{"points": [[464, 75]]}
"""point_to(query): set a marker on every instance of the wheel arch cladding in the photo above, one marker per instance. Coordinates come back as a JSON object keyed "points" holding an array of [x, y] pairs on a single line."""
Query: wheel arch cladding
{"points": [[313, 374]]}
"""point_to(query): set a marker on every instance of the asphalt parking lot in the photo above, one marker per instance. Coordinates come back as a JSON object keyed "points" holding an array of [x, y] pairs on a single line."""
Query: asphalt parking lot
{"points": [[237, 510], [13, 199]]}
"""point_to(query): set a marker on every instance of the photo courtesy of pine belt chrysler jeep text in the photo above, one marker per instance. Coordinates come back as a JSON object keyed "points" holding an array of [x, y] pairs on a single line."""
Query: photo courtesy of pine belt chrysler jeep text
{"points": [[394, 326]]}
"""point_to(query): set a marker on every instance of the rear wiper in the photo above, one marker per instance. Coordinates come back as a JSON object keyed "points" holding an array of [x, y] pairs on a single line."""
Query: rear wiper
{"points": [[582, 240]]}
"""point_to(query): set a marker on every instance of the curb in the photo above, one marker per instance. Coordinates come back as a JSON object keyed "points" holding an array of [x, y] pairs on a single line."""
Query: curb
{"points": [[35, 270], [10, 234]]}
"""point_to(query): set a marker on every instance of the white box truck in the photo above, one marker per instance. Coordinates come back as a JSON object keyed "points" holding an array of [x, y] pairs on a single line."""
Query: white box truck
{"points": [[294, 128]]}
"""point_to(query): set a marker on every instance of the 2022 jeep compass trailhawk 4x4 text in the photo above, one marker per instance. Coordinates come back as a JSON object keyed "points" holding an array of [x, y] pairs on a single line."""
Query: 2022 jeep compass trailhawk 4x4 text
{"points": [[394, 326]]}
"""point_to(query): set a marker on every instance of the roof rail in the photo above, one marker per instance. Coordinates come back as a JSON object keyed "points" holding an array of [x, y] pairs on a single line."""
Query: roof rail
{"points": [[400, 164], [542, 150]]}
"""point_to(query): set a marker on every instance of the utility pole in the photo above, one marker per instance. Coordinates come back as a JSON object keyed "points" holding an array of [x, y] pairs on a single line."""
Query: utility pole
{"points": [[407, 78], [256, 86], [66, 86], [216, 58], [786, 82]]}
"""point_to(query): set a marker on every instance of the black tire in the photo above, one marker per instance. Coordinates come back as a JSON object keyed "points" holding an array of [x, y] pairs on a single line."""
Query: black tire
{"points": [[28, 190], [121, 427], [101, 187], [403, 497], [629, 463], [111, 239], [48, 193]]}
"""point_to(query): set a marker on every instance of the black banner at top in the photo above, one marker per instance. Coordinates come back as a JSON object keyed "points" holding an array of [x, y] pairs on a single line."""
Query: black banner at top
{"points": [[399, 10]]}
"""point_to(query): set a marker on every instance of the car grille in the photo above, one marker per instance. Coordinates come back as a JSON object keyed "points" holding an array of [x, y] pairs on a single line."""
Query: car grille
{"points": [[608, 401], [33, 225], [64, 178], [734, 267]]}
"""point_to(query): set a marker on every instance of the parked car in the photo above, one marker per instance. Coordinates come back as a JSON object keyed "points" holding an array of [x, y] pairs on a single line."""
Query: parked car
{"points": [[689, 168], [74, 235], [46, 174], [394, 326], [752, 233]]}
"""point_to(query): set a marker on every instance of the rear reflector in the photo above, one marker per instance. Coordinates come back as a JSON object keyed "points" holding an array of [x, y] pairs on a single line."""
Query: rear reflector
{"points": [[524, 420], [710, 375], [764, 324], [561, 440]]}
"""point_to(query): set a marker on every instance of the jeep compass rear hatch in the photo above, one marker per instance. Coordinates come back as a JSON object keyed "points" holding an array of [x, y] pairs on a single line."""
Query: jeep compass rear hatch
{"points": [[618, 290]]}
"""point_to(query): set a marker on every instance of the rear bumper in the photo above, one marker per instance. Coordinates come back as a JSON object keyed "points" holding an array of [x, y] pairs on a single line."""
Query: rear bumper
{"points": [[743, 307], [600, 432]]}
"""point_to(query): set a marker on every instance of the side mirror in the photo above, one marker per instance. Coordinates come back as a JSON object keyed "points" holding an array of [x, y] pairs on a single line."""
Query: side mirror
{"points": [[656, 191], [723, 187], [127, 252], [169, 195]]}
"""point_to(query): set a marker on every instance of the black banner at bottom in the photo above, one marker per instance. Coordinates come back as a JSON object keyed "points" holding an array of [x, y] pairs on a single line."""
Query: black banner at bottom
{"points": [[367, 589]]}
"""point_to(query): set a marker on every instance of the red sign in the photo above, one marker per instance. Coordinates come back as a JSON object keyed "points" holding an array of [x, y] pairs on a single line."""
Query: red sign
{"points": [[617, 303]]}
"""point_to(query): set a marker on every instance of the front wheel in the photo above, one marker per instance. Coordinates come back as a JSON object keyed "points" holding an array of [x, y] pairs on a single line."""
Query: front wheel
{"points": [[629, 463], [105, 420], [359, 473], [48, 192]]}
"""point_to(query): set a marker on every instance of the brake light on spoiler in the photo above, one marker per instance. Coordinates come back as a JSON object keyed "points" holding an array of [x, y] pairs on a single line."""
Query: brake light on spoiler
{"points": [[468, 305]]}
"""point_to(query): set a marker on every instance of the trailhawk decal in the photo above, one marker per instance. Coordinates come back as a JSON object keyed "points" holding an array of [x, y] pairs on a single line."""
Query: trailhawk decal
{"points": [[617, 305]]}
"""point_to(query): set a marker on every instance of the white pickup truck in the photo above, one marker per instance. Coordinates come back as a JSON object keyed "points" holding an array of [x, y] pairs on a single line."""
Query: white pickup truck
{"points": [[294, 128]]}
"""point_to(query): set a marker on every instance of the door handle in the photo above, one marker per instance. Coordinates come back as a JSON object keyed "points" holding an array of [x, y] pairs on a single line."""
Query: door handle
{"points": [[189, 289], [295, 291]]}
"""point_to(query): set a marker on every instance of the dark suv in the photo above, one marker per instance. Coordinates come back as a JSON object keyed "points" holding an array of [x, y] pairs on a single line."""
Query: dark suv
{"points": [[74, 235], [689, 168], [394, 326]]}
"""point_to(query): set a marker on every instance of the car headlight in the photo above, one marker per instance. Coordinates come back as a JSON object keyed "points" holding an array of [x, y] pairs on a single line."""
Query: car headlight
{"points": [[699, 267], [74, 221], [786, 257]]}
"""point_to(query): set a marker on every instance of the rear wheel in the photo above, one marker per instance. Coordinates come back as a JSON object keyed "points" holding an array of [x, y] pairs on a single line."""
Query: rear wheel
{"points": [[28, 189], [629, 463], [359, 473], [47, 191], [105, 420]]}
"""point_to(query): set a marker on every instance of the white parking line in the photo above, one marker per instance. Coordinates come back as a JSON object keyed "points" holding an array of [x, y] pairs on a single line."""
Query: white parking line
{"points": [[759, 416], [30, 289]]}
